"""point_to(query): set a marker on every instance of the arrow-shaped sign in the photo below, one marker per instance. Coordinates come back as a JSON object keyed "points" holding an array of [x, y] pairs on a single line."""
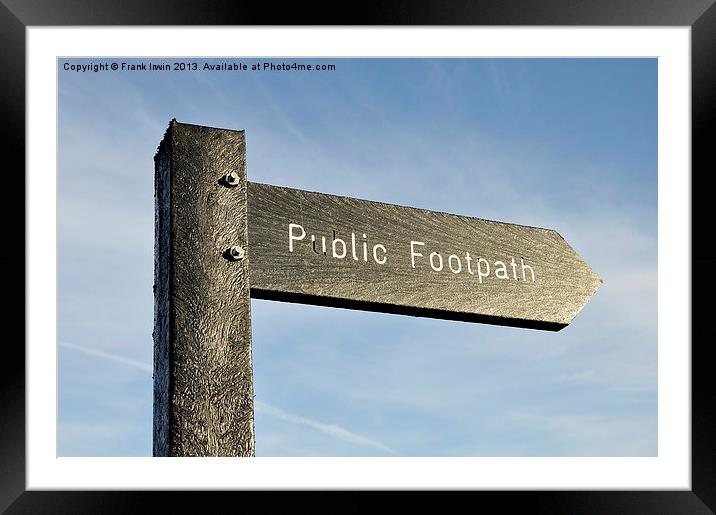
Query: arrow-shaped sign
{"points": [[339, 251]]}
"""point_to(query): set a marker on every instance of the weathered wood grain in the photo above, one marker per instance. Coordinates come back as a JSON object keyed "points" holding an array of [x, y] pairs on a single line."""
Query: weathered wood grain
{"points": [[203, 385], [562, 283]]}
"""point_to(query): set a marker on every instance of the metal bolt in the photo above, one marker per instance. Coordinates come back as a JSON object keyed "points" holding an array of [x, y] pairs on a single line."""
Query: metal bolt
{"points": [[237, 253], [232, 178]]}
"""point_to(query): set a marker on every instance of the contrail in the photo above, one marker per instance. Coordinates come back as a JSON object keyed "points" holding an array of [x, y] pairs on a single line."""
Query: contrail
{"points": [[141, 365], [332, 430]]}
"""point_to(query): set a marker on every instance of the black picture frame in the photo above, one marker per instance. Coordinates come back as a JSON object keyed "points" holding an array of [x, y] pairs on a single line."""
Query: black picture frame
{"points": [[699, 15]]}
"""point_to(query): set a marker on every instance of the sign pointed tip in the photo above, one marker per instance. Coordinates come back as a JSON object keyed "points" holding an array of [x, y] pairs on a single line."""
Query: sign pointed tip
{"points": [[596, 277]]}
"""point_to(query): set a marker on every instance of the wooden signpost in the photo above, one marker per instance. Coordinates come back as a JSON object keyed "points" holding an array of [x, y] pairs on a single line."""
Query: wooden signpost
{"points": [[220, 240]]}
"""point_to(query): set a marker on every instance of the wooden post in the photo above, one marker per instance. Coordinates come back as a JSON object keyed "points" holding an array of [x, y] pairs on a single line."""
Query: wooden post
{"points": [[203, 381]]}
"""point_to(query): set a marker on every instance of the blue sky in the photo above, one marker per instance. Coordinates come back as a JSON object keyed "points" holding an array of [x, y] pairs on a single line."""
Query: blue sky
{"points": [[568, 144]]}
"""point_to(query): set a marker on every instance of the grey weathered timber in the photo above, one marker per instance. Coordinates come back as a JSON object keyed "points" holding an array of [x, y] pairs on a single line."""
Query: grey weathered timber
{"points": [[482, 271], [203, 385]]}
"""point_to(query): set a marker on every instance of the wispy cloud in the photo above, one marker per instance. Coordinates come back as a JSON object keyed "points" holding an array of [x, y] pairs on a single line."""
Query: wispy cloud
{"points": [[332, 430], [146, 367], [589, 435]]}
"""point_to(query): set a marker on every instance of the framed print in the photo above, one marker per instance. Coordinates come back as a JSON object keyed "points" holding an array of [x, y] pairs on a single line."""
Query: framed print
{"points": [[512, 116]]}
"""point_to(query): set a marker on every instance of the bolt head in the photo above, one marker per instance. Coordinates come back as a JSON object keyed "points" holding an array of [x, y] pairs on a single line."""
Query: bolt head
{"points": [[236, 252], [232, 178]]}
